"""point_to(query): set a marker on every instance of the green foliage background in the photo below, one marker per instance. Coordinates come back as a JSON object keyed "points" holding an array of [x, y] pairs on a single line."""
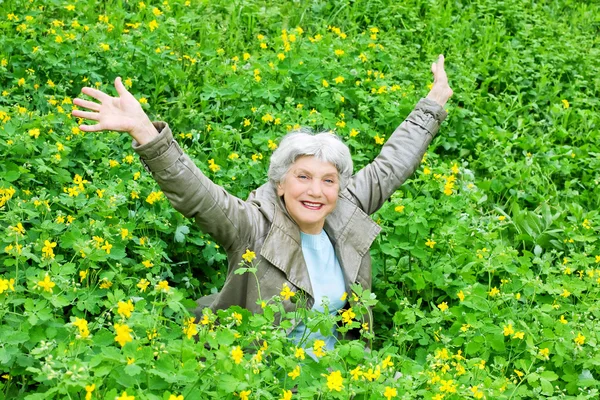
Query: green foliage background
{"points": [[516, 234]]}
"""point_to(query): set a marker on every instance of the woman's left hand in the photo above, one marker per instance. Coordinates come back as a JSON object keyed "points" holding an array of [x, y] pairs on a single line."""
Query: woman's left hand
{"points": [[440, 91]]}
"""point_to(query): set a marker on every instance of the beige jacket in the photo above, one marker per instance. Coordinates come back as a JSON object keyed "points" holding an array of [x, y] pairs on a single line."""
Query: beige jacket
{"points": [[262, 224]]}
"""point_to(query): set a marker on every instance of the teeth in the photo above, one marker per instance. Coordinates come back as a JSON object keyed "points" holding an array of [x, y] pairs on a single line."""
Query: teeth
{"points": [[312, 204]]}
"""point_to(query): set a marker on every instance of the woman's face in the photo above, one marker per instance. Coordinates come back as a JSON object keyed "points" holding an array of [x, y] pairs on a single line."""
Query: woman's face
{"points": [[310, 190]]}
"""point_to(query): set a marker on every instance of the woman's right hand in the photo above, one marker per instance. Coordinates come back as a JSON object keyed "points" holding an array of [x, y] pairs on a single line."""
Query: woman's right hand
{"points": [[123, 113]]}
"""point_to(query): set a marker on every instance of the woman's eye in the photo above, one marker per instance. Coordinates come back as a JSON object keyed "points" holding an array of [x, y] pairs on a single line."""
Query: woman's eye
{"points": [[302, 177], [330, 181]]}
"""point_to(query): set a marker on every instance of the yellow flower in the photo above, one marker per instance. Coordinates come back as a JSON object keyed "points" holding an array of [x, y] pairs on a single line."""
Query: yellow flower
{"points": [[519, 373], [46, 284], [104, 46], [249, 256], [580, 339], [286, 293], [335, 381], [89, 389], [494, 291], [34, 133], [267, 118], [123, 335], [237, 354], [125, 309], [147, 263], [339, 79], [124, 396], [124, 233], [281, 56], [565, 293], [565, 103], [106, 284], [174, 397], [347, 316], [430, 243], [390, 392], [545, 353], [83, 275], [443, 306], [379, 140], [164, 286], [189, 327], [244, 394], [318, 348], [286, 395], [143, 284], [461, 295], [356, 373], [152, 197], [272, 145], [387, 362], [447, 386], [107, 246], [325, 83], [299, 353], [508, 330], [212, 166], [47, 250], [153, 25], [156, 11], [562, 320], [519, 335]]}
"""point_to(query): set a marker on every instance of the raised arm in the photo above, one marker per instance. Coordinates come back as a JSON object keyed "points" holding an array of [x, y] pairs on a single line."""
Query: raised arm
{"points": [[400, 156], [218, 213]]}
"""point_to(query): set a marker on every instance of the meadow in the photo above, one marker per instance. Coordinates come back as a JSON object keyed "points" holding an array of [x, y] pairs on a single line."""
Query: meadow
{"points": [[486, 279]]}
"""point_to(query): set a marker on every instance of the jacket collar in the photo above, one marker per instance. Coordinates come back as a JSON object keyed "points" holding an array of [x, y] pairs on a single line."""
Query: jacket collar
{"points": [[350, 230]]}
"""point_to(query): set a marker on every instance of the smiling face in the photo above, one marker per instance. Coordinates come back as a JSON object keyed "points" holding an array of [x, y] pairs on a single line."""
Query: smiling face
{"points": [[310, 190]]}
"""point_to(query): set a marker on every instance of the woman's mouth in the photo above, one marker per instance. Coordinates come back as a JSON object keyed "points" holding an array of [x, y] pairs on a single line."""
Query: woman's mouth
{"points": [[312, 206]]}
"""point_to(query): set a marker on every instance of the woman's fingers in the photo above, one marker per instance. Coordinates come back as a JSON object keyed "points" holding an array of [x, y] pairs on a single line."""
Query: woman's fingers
{"points": [[121, 90], [91, 128], [96, 94], [90, 105], [85, 114]]}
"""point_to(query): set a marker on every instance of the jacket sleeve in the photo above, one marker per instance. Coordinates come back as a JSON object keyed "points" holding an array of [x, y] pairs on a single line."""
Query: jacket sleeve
{"points": [[225, 217], [399, 157]]}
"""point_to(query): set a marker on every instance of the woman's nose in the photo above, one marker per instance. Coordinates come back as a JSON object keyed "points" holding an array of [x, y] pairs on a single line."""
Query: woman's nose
{"points": [[315, 188]]}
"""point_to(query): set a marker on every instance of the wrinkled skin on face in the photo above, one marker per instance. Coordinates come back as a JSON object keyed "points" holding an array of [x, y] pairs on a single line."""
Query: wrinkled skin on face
{"points": [[310, 190]]}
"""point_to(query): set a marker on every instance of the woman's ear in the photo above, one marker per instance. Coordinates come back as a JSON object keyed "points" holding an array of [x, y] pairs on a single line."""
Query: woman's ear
{"points": [[280, 190]]}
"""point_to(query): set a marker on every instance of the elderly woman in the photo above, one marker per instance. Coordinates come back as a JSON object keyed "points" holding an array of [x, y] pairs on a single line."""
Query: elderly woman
{"points": [[309, 225]]}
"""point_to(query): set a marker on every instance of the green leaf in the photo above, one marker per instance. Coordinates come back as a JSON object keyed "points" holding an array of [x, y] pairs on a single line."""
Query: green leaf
{"points": [[547, 387], [132, 370], [181, 232]]}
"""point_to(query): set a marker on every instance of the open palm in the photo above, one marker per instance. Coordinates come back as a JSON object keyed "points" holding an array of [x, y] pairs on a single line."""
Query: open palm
{"points": [[123, 113]]}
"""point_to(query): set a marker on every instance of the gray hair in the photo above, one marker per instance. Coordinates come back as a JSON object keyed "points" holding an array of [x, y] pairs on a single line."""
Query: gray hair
{"points": [[324, 146]]}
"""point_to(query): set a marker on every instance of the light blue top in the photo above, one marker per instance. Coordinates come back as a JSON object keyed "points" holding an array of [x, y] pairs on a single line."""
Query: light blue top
{"points": [[327, 281]]}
